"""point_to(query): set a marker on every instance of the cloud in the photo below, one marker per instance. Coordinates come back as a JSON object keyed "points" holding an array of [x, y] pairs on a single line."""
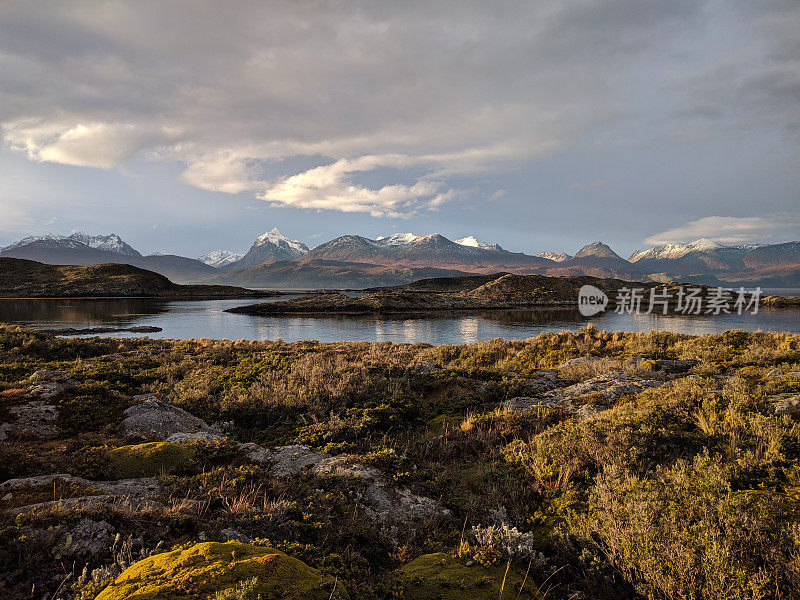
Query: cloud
{"points": [[330, 187], [222, 172], [732, 230], [237, 93], [102, 145]]}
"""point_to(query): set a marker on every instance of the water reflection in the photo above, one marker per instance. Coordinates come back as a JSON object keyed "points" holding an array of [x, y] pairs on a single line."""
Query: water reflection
{"points": [[207, 318]]}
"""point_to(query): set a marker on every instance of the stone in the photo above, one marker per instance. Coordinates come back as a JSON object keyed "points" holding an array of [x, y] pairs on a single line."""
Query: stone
{"points": [[786, 406], [85, 539], [384, 500], [604, 389], [153, 419], [36, 418]]}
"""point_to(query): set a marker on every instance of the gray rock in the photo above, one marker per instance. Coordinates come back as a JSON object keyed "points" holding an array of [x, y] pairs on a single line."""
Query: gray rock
{"points": [[288, 460], [183, 438], [384, 500], [775, 374], [609, 387], [786, 406], [85, 539], [36, 418], [154, 419], [228, 534]]}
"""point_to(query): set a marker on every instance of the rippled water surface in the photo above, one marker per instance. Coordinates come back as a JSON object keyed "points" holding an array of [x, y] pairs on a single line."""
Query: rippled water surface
{"points": [[207, 319]]}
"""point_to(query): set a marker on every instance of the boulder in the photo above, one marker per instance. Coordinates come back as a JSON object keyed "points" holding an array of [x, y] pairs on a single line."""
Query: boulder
{"points": [[600, 391], [384, 500], [204, 570], [36, 418], [85, 539], [153, 419]]}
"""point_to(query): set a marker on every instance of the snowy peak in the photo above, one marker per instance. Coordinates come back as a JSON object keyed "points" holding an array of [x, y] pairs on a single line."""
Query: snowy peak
{"points": [[220, 258], [598, 249], [554, 256], [472, 242], [673, 251], [397, 239], [108, 243], [276, 238]]}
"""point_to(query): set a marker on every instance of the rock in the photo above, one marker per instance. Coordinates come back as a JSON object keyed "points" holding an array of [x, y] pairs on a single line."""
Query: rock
{"points": [[774, 374], [786, 406], [154, 419], [426, 367], [49, 384], [231, 535], [137, 491], [289, 460], [606, 388], [36, 418], [582, 361], [210, 568], [384, 500], [86, 538], [186, 438]]}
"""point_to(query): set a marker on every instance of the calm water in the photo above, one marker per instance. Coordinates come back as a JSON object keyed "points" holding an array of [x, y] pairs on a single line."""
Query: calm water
{"points": [[207, 319]]}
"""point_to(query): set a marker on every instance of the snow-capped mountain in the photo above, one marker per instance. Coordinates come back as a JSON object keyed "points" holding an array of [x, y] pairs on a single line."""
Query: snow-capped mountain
{"points": [[220, 258], [271, 246], [108, 243], [397, 239], [554, 256], [473, 242], [675, 250]]}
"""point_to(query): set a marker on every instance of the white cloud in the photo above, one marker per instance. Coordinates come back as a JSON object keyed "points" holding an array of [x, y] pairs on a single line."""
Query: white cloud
{"points": [[102, 145], [732, 230], [330, 187], [222, 172]]}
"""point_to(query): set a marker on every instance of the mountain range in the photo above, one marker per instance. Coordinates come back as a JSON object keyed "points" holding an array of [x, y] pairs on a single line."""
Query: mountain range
{"points": [[276, 261]]}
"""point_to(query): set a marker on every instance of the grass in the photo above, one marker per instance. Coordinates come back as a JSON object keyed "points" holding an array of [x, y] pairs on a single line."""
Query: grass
{"points": [[690, 490]]}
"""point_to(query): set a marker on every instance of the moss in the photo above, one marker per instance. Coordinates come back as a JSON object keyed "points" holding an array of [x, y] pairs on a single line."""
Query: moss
{"points": [[148, 460], [441, 577], [203, 570]]}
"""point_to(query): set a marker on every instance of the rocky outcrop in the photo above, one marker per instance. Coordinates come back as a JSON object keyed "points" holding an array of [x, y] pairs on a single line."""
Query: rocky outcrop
{"points": [[384, 500], [600, 392], [139, 491], [153, 419]]}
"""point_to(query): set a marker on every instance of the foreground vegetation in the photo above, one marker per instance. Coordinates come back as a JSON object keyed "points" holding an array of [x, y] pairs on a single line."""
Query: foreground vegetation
{"points": [[686, 488]]}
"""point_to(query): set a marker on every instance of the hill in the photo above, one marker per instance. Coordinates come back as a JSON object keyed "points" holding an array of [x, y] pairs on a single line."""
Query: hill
{"points": [[29, 279]]}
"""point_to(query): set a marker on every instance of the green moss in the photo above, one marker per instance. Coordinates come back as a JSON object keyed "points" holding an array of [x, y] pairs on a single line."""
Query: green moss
{"points": [[148, 460], [441, 577], [204, 570]]}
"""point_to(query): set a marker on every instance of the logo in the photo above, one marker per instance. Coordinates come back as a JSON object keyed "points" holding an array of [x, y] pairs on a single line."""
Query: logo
{"points": [[591, 300]]}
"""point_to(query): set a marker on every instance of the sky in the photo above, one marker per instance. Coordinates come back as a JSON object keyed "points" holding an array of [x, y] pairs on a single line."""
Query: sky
{"points": [[189, 126]]}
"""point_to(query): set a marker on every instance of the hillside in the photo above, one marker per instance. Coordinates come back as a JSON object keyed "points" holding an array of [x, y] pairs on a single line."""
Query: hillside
{"points": [[30, 279], [314, 274]]}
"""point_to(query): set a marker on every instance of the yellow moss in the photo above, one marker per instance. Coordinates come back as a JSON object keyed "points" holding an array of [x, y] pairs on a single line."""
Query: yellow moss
{"points": [[202, 570], [443, 577], [147, 460]]}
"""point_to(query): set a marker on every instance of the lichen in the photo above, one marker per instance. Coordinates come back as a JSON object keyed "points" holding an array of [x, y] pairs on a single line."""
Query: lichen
{"points": [[442, 577], [148, 460], [204, 570]]}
